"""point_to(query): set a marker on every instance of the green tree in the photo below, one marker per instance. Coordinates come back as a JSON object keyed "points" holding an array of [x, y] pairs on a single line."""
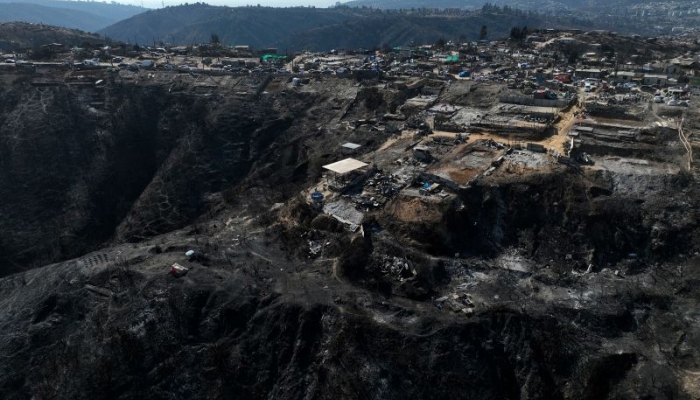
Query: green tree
{"points": [[515, 33], [215, 39], [41, 53], [607, 49], [573, 56], [483, 32], [440, 44]]}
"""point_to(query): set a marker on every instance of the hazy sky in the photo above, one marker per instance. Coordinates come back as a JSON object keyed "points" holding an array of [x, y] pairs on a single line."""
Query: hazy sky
{"points": [[235, 3]]}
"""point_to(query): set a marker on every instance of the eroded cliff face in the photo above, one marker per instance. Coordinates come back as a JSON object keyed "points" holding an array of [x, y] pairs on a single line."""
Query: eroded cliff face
{"points": [[552, 283], [83, 165]]}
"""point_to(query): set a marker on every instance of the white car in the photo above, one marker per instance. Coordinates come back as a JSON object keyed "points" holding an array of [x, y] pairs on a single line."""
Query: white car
{"points": [[658, 99]]}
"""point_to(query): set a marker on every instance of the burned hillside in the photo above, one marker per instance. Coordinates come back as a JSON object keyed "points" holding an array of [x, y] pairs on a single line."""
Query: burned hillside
{"points": [[409, 232]]}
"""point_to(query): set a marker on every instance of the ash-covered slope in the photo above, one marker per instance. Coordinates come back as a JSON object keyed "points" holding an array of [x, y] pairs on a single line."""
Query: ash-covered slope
{"points": [[538, 280], [260, 316], [130, 331], [86, 163]]}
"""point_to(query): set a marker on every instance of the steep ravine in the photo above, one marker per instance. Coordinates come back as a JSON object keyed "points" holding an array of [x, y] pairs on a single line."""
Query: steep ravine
{"points": [[142, 162]]}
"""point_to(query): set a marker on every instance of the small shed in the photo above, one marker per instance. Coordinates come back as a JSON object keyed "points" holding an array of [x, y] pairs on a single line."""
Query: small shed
{"points": [[349, 147], [588, 73], [655, 79], [341, 171], [624, 76]]}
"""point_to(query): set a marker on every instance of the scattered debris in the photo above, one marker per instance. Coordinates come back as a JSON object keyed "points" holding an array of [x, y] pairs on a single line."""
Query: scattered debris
{"points": [[178, 270]]}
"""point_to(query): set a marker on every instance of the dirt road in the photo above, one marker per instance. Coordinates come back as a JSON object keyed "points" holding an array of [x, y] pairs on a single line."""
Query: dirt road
{"points": [[563, 126]]}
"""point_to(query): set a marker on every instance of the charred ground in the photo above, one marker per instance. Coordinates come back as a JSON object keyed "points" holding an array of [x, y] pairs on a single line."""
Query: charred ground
{"points": [[528, 278]]}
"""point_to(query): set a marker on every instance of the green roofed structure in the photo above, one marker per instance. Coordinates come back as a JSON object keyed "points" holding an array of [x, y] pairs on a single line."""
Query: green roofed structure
{"points": [[272, 58]]}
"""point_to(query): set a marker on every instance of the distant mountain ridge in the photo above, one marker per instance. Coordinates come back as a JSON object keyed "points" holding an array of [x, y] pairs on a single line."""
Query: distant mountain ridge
{"points": [[408, 4], [83, 15], [300, 28], [474, 4]]}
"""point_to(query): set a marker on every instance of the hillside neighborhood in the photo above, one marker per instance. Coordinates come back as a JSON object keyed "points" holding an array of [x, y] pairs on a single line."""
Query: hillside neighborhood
{"points": [[568, 93]]}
